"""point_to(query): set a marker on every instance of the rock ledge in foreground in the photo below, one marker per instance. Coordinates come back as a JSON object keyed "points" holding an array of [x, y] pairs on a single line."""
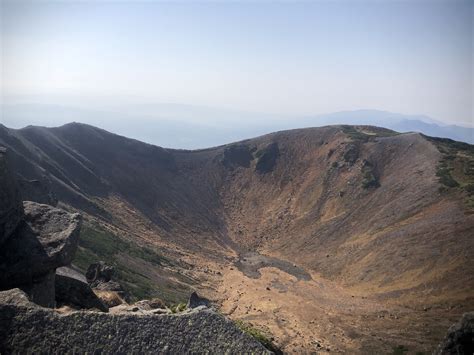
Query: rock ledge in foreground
{"points": [[197, 331]]}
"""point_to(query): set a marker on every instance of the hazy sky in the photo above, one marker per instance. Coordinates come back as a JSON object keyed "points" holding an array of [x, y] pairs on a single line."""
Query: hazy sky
{"points": [[413, 57]]}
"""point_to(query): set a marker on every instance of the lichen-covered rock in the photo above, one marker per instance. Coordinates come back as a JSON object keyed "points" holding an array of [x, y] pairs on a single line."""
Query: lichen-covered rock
{"points": [[27, 328], [73, 290], [460, 338], [11, 208]]}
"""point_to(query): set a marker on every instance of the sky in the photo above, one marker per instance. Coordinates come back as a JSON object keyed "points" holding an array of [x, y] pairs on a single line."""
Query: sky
{"points": [[285, 57]]}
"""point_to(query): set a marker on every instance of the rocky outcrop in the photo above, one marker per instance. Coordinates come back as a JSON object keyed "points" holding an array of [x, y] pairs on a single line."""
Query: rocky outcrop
{"points": [[460, 338], [35, 239], [27, 328], [45, 240], [98, 273], [73, 290], [196, 301], [99, 276]]}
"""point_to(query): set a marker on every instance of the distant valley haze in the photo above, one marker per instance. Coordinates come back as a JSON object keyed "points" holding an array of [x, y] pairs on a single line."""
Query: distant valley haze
{"points": [[182, 126]]}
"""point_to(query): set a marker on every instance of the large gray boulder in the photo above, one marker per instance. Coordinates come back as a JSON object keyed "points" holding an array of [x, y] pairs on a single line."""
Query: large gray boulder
{"points": [[27, 328], [45, 240], [11, 208], [460, 338], [72, 289]]}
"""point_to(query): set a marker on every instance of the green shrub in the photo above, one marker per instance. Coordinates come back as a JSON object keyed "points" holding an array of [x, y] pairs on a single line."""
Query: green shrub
{"points": [[449, 144], [444, 176], [177, 308], [369, 180], [258, 335], [351, 154], [399, 350], [267, 158], [468, 167], [354, 134], [368, 176], [469, 188]]}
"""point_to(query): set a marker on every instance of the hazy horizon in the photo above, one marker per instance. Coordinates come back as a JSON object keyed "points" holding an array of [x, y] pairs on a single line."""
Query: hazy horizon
{"points": [[288, 59], [196, 127]]}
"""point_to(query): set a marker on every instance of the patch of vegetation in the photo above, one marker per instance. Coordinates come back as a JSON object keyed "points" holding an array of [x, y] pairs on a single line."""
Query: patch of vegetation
{"points": [[399, 350], [354, 134], [368, 176], [469, 189], [468, 168], [450, 145], [177, 308], [443, 172], [351, 153], [367, 133], [258, 335], [237, 155], [106, 244], [138, 285], [455, 170], [96, 243], [267, 158]]}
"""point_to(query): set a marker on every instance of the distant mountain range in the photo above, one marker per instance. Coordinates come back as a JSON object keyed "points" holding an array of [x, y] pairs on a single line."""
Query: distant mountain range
{"points": [[192, 127]]}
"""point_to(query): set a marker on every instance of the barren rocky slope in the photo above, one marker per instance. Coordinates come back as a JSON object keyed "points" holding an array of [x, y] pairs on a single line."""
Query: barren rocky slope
{"points": [[380, 219], [46, 306]]}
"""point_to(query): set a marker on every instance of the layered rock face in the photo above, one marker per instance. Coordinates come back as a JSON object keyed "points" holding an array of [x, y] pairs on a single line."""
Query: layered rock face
{"points": [[25, 326]]}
